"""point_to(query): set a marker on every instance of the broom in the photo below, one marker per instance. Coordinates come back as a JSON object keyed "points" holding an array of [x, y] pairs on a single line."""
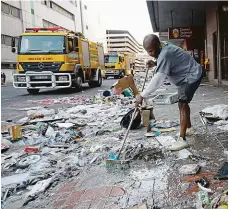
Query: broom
{"points": [[115, 159]]}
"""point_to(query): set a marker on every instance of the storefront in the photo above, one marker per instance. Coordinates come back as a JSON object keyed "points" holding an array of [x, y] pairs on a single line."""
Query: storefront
{"points": [[193, 41], [203, 28], [217, 42]]}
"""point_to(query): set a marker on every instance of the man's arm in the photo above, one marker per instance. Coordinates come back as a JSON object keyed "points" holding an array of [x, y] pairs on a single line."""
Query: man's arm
{"points": [[163, 69], [154, 84]]}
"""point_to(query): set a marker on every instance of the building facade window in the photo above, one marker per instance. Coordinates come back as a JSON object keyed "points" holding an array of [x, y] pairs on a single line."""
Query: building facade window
{"points": [[87, 28], [5, 39], [47, 24], [10, 10], [58, 9], [85, 7], [62, 11], [73, 2]]}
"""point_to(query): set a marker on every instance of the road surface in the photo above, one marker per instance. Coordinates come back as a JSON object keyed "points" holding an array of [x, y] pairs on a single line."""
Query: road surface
{"points": [[14, 99]]}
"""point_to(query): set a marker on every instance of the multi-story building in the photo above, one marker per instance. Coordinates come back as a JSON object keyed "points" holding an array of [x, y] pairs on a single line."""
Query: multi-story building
{"points": [[75, 15], [123, 41]]}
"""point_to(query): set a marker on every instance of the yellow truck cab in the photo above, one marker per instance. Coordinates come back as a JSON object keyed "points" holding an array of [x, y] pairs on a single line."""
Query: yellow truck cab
{"points": [[56, 58], [118, 65]]}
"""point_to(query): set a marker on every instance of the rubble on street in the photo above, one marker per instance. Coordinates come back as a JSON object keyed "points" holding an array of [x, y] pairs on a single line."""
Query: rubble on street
{"points": [[55, 157]]}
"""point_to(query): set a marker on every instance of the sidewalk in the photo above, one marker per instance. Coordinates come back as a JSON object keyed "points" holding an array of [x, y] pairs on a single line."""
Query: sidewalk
{"points": [[152, 179]]}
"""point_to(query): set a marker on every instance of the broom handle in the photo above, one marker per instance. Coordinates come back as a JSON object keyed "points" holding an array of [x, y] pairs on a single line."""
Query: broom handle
{"points": [[147, 70], [132, 118], [127, 132]]}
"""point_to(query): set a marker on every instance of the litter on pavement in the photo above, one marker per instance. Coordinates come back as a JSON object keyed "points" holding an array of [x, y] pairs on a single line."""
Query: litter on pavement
{"points": [[54, 145]]}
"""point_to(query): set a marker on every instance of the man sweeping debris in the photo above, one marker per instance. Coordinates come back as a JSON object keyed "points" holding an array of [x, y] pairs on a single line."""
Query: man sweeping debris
{"points": [[182, 70]]}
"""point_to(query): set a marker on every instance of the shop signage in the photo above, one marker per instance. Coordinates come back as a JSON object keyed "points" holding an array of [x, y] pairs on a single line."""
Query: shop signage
{"points": [[181, 33]]}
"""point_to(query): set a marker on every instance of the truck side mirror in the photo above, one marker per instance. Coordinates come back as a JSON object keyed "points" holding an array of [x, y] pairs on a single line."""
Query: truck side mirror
{"points": [[13, 45]]}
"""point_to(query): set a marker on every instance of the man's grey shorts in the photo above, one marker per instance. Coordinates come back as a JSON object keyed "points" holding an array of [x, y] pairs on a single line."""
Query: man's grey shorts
{"points": [[187, 91]]}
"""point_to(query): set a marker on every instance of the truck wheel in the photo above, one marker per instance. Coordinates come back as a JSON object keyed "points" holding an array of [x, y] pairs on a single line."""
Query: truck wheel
{"points": [[116, 77], [78, 83], [97, 83], [33, 91], [122, 74]]}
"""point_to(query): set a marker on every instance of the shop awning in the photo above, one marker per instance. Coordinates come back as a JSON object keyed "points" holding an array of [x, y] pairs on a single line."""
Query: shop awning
{"points": [[168, 14]]}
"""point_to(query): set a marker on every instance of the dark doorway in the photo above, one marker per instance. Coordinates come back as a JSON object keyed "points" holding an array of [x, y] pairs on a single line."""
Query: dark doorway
{"points": [[215, 55], [224, 44]]}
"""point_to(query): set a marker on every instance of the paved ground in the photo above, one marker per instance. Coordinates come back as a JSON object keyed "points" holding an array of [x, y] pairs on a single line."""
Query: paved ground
{"points": [[96, 187], [13, 99]]}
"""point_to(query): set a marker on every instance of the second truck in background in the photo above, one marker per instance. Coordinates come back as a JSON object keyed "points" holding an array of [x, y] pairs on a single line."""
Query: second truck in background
{"points": [[119, 65]]}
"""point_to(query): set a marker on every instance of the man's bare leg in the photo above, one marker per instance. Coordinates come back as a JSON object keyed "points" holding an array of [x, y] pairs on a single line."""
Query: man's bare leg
{"points": [[189, 120], [184, 119], [189, 117]]}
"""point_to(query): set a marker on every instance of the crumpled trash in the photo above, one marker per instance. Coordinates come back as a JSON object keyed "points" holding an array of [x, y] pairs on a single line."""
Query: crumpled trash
{"points": [[39, 187], [70, 134], [72, 161], [28, 160], [5, 127], [223, 172], [102, 132], [203, 199], [14, 179], [6, 142], [4, 147], [219, 111], [41, 111], [41, 128], [189, 169], [95, 148], [65, 125], [50, 132], [163, 124]]}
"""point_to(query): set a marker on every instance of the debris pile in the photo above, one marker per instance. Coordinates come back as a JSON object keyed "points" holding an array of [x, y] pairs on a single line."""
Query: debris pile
{"points": [[50, 146], [217, 114], [58, 143]]}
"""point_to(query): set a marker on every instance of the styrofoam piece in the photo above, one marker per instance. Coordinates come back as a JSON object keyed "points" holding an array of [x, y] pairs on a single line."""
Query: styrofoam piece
{"points": [[65, 125], [168, 98], [14, 179], [40, 187], [217, 111], [168, 141], [183, 154], [189, 169]]}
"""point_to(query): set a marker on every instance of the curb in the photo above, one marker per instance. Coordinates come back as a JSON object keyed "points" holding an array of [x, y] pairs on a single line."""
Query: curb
{"points": [[9, 84]]}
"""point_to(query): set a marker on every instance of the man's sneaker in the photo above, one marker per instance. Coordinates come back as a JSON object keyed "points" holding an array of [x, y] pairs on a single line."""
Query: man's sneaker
{"points": [[179, 145], [190, 131]]}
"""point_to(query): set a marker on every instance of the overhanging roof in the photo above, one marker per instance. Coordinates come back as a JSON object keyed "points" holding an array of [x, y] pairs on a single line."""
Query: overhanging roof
{"points": [[167, 14]]}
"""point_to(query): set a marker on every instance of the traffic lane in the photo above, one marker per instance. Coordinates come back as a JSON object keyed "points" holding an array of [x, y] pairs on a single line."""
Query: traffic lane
{"points": [[14, 99]]}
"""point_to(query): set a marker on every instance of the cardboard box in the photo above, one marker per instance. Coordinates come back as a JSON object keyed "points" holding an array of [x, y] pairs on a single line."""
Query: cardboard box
{"points": [[124, 83]]}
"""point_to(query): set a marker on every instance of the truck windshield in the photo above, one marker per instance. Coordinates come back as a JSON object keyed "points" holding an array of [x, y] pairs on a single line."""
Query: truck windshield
{"points": [[111, 59], [41, 44]]}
